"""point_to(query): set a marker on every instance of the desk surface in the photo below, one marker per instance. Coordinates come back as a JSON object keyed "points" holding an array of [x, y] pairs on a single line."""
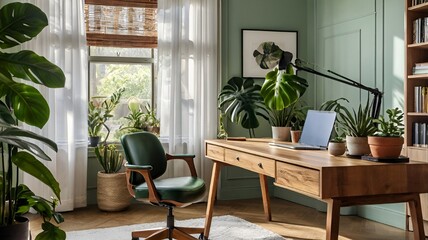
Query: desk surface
{"points": [[340, 181], [338, 176]]}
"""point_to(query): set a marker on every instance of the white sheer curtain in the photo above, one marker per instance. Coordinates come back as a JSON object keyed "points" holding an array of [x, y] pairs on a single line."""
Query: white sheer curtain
{"points": [[187, 97], [63, 43]]}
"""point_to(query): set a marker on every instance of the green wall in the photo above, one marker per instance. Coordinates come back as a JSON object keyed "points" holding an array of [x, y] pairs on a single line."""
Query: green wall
{"points": [[287, 15], [363, 40]]}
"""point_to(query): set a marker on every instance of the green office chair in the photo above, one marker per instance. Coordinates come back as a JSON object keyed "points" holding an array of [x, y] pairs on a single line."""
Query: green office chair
{"points": [[146, 161]]}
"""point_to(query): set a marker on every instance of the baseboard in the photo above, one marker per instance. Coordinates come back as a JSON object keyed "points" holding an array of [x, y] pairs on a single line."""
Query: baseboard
{"points": [[384, 214]]}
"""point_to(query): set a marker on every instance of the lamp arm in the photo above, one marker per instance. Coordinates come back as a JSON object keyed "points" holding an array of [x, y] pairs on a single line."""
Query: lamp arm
{"points": [[377, 95]]}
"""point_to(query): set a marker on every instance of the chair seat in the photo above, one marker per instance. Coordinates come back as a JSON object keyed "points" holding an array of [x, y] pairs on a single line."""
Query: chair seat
{"points": [[180, 189]]}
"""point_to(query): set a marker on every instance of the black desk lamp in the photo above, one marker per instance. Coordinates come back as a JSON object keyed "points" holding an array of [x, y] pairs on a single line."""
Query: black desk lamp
{"points": [[377, 95]]}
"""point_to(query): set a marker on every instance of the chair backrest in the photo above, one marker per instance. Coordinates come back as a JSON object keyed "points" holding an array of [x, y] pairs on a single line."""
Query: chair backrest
{"points": [[144, 148]]}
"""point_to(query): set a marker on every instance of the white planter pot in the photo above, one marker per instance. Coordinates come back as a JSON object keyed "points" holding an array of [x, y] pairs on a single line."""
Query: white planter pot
{"points": [[281, 133], [357, 146]]}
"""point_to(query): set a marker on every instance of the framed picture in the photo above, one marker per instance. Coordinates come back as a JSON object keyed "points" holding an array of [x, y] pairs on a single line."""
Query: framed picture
{"points": [[251, 40]]}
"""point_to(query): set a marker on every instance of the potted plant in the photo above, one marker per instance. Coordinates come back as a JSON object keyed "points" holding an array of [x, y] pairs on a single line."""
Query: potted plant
{"points": [[20, 149], [281, 88], [138, 120], [153, 123], [337, 146], [112, 192], [242, 103], [297, 121], [356, 125], [99, 111], [387, 142]]}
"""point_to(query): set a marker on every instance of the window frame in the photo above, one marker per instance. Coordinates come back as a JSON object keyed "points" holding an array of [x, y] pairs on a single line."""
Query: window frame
{"points": [[124, 60]]}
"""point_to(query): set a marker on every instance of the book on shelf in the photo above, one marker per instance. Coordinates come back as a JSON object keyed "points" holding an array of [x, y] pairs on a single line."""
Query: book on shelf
{"points": [[420, 30], [421, 99], [420, 134], [417, 2], [421, 65]]}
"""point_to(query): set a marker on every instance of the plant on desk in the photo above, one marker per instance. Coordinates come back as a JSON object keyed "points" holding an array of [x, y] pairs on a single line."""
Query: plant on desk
{"points": [[281, 89], [387, 142], [356, 125]]}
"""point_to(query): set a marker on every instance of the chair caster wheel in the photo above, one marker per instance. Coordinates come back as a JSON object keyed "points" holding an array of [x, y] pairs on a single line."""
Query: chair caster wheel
{"points": [[202, 237]]}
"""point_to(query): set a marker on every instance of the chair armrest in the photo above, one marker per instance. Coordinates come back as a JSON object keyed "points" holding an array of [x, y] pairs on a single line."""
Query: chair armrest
{"points": [[180, 156], [186, 157], [144, 170], [131, 166]]}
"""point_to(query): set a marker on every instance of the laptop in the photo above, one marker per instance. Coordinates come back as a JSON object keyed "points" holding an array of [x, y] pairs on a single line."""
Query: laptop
{"points": [[316, 131]]}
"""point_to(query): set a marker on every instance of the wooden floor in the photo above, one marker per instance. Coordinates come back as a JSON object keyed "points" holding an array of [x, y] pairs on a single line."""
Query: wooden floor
{"points": [[289, 219]]}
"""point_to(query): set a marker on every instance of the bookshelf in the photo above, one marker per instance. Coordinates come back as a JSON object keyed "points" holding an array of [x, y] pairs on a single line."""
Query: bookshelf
{"points": [[416, 53]]}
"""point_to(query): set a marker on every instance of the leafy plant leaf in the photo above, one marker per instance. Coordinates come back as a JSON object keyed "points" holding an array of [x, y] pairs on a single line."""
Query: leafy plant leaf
{"points": [[28, 104], [29, 164], [242, 101], [30, 66], [20, 22], [282, 88], [50, 231]]}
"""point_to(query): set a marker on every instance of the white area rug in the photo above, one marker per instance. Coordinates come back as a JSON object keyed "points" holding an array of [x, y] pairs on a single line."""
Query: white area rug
{"points": [[222, 228]]}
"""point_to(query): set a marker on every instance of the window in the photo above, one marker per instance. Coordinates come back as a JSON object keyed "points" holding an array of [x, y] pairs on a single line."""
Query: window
{"points": [[122, 39], [130, 68]]}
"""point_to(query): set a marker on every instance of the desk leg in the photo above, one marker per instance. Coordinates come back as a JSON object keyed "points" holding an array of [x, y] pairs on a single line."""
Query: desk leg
{"points": [[416, 215], [211, 198], [333, 218], [265, 196]]}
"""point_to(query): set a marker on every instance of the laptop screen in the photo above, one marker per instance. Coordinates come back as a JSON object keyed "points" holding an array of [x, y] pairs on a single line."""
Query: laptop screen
{"points": [[318, 128]]}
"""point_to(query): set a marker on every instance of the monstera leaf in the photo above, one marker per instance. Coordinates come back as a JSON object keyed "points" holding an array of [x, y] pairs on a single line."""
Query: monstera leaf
{"points": [[242, 102], [282, 88], [20, 22]]}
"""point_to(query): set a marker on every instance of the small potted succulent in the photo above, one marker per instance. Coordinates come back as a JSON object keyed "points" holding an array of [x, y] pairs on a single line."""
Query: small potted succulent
{"points": [[337, 146], [388, 142]]}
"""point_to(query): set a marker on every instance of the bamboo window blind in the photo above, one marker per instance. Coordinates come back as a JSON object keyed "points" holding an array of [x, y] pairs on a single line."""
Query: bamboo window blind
{"points": [[121, 23]]}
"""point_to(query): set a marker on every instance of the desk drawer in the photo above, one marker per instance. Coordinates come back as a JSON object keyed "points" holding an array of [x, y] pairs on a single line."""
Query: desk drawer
{"points": [[215, 152], [302, 179], [250, 162]]}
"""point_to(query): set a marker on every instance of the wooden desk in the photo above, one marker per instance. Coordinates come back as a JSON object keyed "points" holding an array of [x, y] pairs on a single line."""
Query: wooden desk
{"points": [[339, 181]]}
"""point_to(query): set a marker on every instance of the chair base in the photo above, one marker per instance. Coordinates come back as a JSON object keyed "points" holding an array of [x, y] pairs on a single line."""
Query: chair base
{"points": [[169, 232]]}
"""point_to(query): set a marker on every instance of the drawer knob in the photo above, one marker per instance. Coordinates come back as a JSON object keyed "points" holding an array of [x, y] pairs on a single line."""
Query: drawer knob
{"points": [[260, 165], [237, 158]]}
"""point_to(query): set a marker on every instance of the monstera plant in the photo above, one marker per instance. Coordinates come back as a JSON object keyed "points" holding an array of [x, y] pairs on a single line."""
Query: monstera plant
{"points": [[21, 150], [242, 103], [282, 87]]}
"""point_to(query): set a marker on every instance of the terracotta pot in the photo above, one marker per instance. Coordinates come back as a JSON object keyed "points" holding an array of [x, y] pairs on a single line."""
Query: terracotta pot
{"points": [[295, 135], [20, 230], [385, 147], [357, 146], [281, 133], [112, 192], [336, 148]]}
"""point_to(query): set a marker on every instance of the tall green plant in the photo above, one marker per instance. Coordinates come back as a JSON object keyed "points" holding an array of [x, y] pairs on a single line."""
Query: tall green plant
{"points": [[242, 103], [19, 148]]}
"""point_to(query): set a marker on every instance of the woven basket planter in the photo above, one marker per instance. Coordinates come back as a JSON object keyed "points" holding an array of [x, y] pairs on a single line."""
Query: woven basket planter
{"points": [[112, 192]]}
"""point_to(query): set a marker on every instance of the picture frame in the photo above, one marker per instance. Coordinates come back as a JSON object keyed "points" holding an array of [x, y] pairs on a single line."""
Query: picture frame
{"points": [[251, 40]]}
